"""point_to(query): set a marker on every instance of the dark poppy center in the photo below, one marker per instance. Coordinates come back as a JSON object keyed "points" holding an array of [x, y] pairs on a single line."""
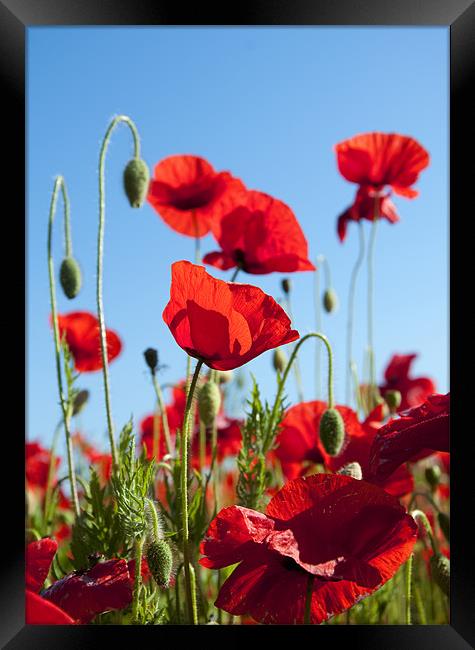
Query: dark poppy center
{"points": [[239, 258], [291, 565], [195, 196]]}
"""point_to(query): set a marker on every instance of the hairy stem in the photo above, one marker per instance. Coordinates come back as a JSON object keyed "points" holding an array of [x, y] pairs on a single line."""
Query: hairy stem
{"points": [[137, 577], [351, 309], [163, 413], [409, 589], [372, 374]]}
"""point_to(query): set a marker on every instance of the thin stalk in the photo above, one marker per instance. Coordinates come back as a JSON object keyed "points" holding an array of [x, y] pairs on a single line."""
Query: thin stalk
{"points": [[66, 411], [409, 589], [192, 613], [421, 614], [154, 517], [372, 374], [298, 374], [418, 514], [318, 324], [202, 441], [138, 577], [308, 600], [351, 308], [156, 433], [163, 413], [100, 254], [220, 611], [49, 480], [235, 274]]}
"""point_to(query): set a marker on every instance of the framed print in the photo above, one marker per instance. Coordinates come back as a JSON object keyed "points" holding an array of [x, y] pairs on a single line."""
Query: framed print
{"points": [[243, 278]]}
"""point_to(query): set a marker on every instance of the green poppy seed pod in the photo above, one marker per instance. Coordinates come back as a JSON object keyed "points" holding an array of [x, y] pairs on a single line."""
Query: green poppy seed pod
{"points": [[209, 401], [286, 286], [330, 300], [80, 401], [70, 277], [279, 360], [432, 475], [444, 523], [353, 470], [393, 400], [160, 562], [225, 376], [136, 178], [332, 431], [151, 358], [440, 567]]}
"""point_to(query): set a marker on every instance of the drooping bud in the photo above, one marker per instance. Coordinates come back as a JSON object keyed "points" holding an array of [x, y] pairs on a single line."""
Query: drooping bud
{"points": [[440, 567], [151, 358], [330, 300], [70, 277], [225, 376], [286, 286], [160, 562], [279, 360], [80, 401], [393, 400], [209, 401], [332, 431], [136, 179], [432, 475], [353, 470], [444, 523]]}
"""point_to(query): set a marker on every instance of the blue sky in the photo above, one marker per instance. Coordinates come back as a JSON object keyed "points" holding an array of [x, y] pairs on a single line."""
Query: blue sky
{"points": [[267, 104]]}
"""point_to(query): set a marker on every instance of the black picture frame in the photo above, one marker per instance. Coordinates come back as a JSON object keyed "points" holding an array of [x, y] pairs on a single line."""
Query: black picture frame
{"points": [[459, 17]]}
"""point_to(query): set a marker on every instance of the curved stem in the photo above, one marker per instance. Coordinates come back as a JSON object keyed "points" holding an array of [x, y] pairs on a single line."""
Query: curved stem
{"points": [[351, 308], [318, 323], [408, 589], [59, 183], [298, 374], [235, 274], [184, 494], [163, 413], [100, 253], [154, 516], [308, 600], [372, 376], [418, 514]]}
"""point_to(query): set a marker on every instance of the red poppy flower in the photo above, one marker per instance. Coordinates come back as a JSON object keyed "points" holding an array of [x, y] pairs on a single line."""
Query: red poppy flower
{"points": [[188, 193], [81, 330], [299, 444], [418, 433], [226, 324], [84, 594], [39, 611], [349, 535], [37, 460], [380, 159], [39, 555], [366, 201], [413, 390], [259, 234], [229, 440]]}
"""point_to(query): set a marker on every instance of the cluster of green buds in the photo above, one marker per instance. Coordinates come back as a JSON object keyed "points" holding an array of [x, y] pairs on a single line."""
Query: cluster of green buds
{"points": [[136, 181]]}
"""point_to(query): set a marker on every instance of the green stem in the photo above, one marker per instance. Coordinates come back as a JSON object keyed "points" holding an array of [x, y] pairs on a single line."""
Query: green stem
{"points": [[235, 274], [163, 413], [420, 606], [418, 514], [351, 309], [49, 480], [298, 375], [100, 253], [372, 375], [409, 589], [220, 611], [323, 338], [308, 600], [202, 446], [137, 577], [154, 516], [59, 183], [184, 494], [318, 323]]}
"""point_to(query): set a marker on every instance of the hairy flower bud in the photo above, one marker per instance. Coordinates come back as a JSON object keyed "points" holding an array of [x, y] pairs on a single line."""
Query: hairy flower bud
{"points": [[332, 431], [279, 360], [432, 476], [136, 179], [353, 470], [151, 358], [444, 523], [160, 562], [209, 401], [330, 300], [286, 286], [80, 401], [440, 567], [70, 277], [393, 400]]}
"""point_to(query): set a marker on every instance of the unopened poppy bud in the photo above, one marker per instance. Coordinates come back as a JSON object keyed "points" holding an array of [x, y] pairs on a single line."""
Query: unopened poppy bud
{"points": [[225, 376], [151, 358], [444, 523], [160, 562], [332, 431], [279, 360], [80, 401], [440, 567], [70, 277], [432, 475], [353, 470], [330, 300], [136, 179], [209, 401], [286, 286], [393, 400]]}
